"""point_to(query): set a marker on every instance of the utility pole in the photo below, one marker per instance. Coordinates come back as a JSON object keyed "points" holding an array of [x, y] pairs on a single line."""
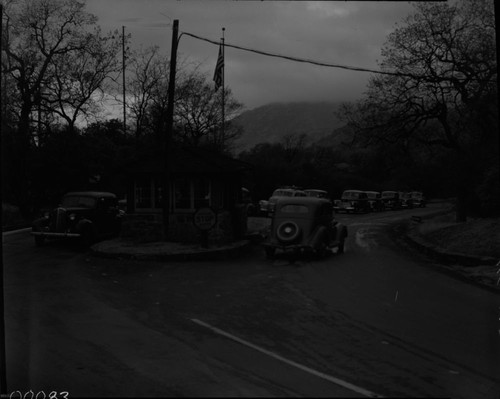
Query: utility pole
{"points": [[497, 37], [123, 82], [3, 361], [223, 88], [169, 129]]}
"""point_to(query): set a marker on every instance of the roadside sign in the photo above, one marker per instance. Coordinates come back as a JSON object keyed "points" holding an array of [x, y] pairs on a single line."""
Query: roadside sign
{"points": [[205, 218]]}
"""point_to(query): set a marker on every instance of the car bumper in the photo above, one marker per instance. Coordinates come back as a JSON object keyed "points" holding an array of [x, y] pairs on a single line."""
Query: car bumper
{"points": [[290, 247], [49, 234]]}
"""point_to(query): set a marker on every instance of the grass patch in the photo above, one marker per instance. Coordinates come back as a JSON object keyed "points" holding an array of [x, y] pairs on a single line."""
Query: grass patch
{"points": [[479, 237]]}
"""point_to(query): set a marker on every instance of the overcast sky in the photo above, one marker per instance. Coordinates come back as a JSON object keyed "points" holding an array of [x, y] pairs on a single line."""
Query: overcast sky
{"points": [[335, 32]]}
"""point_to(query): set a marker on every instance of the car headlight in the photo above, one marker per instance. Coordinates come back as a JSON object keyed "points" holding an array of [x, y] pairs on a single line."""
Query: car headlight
{"points": [[46, 215], [72, 216]]}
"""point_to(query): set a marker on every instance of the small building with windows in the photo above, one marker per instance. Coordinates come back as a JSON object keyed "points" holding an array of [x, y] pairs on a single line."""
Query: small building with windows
{"points": [[198, 178]]}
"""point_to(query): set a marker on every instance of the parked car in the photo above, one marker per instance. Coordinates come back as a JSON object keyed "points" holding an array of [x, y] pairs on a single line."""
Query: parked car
{"points": [[267, 207], [375, 201], [305, 224], [84, 215], [354, 201], [418, 199], [312, 192], [406, 200], [336, 205], [391, 200]]}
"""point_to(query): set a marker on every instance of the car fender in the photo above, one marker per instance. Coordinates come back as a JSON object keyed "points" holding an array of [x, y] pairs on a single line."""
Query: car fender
{"points": [[339, 232], [318, 237], [84, 224]]}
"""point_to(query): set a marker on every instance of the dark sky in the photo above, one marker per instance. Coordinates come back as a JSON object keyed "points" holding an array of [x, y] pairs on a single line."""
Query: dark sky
{"points": [[335, 32]]}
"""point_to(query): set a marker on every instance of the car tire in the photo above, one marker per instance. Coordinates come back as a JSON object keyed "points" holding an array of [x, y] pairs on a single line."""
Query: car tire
{"points": [[39, 241], [270, 252], [88, 237], [322, 251], [340, 249]]}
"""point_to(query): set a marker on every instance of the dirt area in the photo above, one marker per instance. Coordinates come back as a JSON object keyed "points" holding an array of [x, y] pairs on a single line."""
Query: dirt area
{"points": [[479, 237]]}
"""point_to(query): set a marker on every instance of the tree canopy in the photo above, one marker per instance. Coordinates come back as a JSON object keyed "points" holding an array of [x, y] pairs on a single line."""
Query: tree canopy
{"points": [[438, 88]]}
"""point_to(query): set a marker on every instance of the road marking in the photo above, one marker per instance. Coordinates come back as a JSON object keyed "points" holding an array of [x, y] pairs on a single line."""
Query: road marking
{"points": [[319, 374], [7, 233]]}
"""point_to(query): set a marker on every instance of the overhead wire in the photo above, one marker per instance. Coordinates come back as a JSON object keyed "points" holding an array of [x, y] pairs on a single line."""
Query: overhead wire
{"points": [[313, 62]]}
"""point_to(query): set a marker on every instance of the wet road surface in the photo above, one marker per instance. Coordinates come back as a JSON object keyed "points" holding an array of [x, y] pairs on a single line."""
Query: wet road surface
{"points": [[375, 320]]}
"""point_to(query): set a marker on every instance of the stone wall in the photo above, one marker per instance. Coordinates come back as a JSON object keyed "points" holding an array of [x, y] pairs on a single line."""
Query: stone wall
{"points": [[143, 228]]}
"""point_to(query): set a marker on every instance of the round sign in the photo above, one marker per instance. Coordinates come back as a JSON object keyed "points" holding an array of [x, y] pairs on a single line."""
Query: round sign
{"points": [[205, 218]]}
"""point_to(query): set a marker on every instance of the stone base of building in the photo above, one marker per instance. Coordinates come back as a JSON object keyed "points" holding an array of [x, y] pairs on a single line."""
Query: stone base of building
{"points": [[142, 228]]}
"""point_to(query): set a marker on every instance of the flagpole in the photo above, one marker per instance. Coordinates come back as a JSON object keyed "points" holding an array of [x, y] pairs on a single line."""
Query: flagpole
{"points": [[223, 95]]}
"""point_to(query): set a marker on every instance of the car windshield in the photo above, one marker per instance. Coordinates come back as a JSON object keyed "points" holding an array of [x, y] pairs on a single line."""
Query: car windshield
{"points": [[416, 195], [351, 194], [388, 194], [78, 201], [282, 193], [372, 195], [316, 193]]}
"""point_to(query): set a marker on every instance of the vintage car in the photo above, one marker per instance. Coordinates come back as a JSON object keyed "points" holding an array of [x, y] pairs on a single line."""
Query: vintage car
{"points": [[312, 192], [391, 200], [267, 207], [417, 199], [375, 201], [406, 200], [305, 224], [354, 201], [84, 215]]}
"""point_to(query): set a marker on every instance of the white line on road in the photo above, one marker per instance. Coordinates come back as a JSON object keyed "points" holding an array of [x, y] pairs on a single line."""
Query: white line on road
{"points": [[8, 233], [327, 377]]}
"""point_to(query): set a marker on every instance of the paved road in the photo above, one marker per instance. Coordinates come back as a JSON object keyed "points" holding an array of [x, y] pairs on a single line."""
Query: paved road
{"points": [[376, 320]]}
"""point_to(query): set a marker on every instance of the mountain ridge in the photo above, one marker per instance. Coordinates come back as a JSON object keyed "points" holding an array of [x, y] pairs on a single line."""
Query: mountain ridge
{"points": [[272, 122]]}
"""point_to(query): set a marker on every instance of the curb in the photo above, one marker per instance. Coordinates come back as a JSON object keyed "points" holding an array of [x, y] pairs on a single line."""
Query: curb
{"points": [[445, 256], [462, 266], [137, 253]]}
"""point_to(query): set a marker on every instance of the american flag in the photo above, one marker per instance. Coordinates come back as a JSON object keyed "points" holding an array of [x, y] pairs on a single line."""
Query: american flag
{"points": [[219, 69]]}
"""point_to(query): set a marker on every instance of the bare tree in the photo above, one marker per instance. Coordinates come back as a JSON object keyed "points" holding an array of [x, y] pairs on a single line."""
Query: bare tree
{"points": [[199, 113], [77, 81], [39, 33], [147, 86], [440, 85], [293, 145]]}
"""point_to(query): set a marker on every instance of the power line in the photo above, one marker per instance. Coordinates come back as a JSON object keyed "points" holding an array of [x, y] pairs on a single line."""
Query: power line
{"points": [[313, 62]]}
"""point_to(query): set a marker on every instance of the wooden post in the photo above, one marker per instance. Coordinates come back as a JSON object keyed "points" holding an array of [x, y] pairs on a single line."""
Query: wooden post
{"points": [[123, 82], [223, 87], [169, 129], [496, 6]]}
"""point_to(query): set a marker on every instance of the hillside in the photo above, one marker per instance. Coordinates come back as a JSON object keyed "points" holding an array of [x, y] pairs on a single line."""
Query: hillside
{"points": [[271, 122]]}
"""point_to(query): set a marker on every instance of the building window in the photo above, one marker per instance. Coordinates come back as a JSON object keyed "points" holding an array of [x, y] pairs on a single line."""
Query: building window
{"points": [[192, 194], [158, 191], [182, 192], [201, 193], [143, 195]]}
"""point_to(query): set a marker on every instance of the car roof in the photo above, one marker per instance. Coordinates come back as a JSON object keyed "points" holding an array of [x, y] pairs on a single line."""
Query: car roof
{"points": [[354, 191], [373, 192], [303, 201], [91, 193]]}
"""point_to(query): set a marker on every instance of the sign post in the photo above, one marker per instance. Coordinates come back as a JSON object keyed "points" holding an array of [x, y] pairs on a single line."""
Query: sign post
{"points": [[204, 219]]}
